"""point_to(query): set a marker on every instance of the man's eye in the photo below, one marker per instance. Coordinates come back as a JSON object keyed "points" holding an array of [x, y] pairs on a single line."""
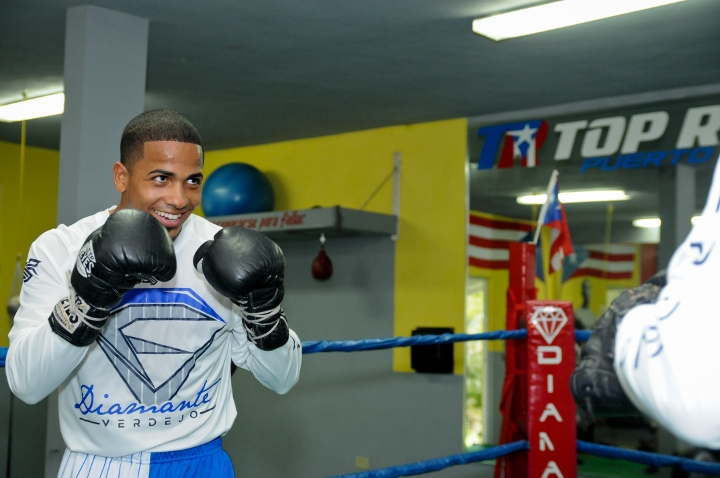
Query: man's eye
{"points": [[160, 179], [195, 181]]}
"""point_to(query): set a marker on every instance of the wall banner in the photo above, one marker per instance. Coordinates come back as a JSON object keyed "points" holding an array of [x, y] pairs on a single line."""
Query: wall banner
{"points": [[633, 138]]}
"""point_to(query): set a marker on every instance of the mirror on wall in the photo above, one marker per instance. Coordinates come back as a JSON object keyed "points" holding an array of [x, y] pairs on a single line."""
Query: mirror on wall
{"points": [[658, 157]]}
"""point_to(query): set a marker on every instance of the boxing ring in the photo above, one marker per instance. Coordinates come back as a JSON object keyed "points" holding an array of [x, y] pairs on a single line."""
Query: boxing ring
{"points": [[496, 452], [538, 434], [506, 449]]}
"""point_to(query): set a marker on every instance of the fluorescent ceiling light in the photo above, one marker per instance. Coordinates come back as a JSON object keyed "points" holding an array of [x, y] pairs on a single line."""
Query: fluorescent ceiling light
{"points": [[35, 108], [560, 14], [577, 196], [654, 222], [647, 222]]}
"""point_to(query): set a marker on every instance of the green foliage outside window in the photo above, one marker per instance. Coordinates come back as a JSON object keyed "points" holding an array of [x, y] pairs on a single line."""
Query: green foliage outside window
{"points": [[474, 365]]}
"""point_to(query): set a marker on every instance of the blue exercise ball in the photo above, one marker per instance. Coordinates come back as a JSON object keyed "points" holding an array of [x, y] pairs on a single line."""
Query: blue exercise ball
{"points": [[237, 188]]}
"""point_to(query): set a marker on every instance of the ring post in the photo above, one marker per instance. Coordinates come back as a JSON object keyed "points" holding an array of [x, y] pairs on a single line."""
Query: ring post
{"points": [[513, 405], [551, 408]]}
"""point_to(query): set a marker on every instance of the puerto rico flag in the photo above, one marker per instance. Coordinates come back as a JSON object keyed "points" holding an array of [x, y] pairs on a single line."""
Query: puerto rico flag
{"points": [[489, 238], [521, 144], [605, 261], [552, 215]]}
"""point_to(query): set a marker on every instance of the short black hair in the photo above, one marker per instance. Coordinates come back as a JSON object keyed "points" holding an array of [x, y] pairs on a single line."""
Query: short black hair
{"points": [[155, 125]]}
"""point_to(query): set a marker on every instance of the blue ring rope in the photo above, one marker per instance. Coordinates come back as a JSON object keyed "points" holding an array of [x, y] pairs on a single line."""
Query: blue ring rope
{"points": [[605, 451], [392, 342], [436, 464], [583, 335], [311, 347], [648, 458]]}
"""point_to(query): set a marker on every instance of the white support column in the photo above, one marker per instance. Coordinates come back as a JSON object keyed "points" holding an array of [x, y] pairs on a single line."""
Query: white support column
{"points": [[105, 69], [105, 72]]}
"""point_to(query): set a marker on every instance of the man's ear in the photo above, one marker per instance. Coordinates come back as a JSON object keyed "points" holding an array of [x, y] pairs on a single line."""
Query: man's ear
{"points": [[120, 177]]}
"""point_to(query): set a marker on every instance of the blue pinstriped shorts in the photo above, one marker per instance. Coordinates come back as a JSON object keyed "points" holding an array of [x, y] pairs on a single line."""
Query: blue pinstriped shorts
{"points": [[208, 460]]}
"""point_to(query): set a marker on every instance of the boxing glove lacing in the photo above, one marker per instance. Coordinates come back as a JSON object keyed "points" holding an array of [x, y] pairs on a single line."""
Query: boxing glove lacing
{"points": [[259, 318], [80, 308]]}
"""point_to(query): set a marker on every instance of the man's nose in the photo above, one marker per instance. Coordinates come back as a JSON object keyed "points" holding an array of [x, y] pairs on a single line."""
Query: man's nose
{"points": [[177, 197]]}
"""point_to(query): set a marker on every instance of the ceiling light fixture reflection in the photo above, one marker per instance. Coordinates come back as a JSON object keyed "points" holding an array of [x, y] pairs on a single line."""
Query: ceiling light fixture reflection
{"points": [[654, 222], [551, 16], [647, 222], [577, 196], [33, 108]]}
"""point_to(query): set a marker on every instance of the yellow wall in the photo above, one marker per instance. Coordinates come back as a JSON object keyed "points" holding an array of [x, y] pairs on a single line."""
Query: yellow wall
{"points": [[345, 169], [39, 210]]}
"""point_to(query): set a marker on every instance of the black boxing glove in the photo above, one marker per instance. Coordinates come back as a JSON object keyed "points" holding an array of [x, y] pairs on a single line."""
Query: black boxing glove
{"points": [[594, 383], [248, 268], [131, 247]]}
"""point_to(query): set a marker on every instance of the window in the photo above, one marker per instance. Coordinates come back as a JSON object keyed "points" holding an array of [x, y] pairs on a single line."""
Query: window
{"points": [[475, 323]]}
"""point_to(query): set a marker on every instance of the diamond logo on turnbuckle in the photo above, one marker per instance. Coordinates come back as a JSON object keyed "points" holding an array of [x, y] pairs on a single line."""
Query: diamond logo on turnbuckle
{"points": [[549, 321]]}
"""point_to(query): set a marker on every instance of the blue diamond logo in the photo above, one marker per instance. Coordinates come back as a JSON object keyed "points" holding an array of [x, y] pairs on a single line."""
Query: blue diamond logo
{"points": [[152, 362]]}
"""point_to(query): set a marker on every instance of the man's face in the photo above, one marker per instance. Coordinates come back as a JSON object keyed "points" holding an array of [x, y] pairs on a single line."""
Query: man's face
{"points": [[165, 182]]}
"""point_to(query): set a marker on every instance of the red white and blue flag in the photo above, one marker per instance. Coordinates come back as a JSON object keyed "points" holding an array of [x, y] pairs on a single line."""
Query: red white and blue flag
{"points": [[605, 261], [552, 215], [489, 239], [522, 144]]}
